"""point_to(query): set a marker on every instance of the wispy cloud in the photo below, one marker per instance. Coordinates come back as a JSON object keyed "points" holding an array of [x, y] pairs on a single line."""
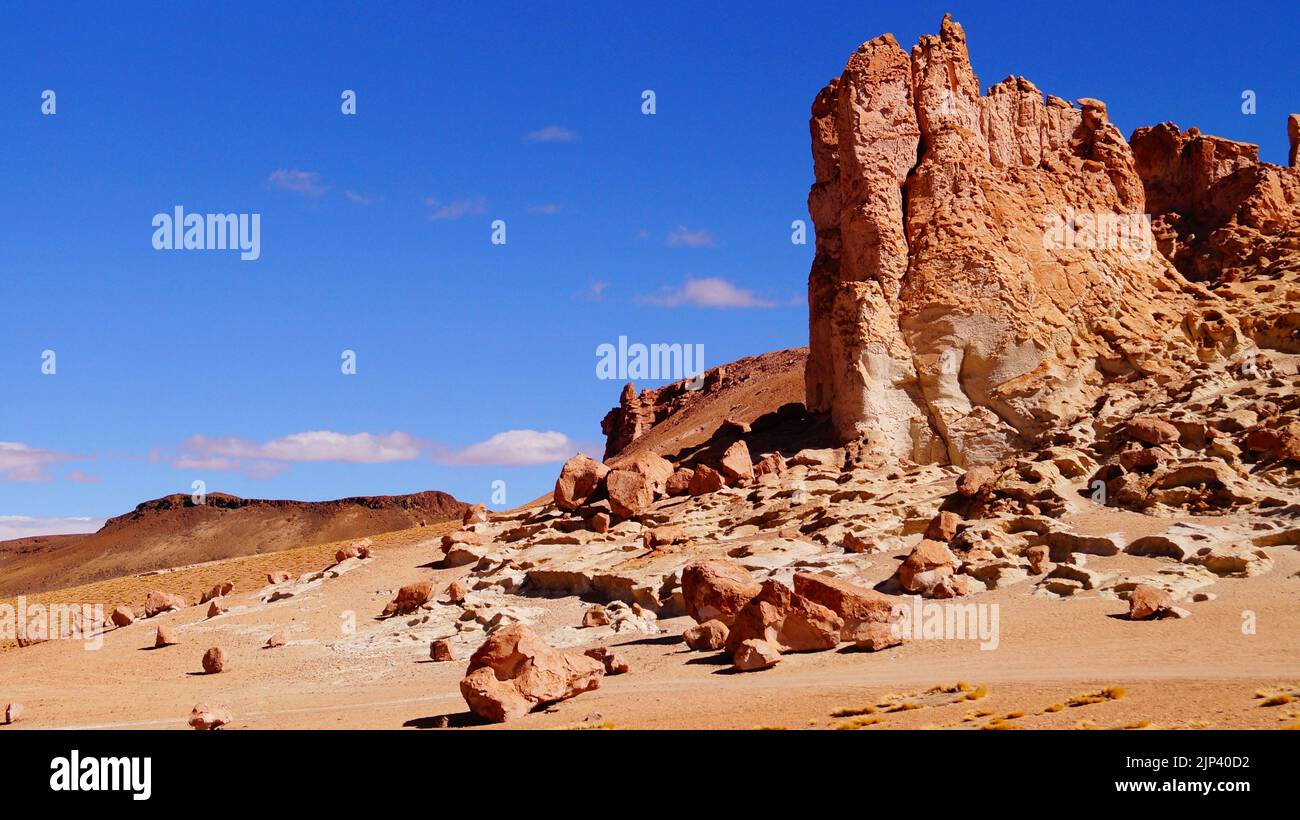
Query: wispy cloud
{"points": [[684, 237], [711, 292], [360, 199], [552, 133], [549, 209], [515, 448], [81, 478], [454, 209], [306, 183], [595, 292], [18, 462], [24, 526], [315, 445]]}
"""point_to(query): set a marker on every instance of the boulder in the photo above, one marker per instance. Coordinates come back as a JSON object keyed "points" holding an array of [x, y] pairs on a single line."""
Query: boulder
{"points": [[409, 598], [942, 527], [926, 565], [456, 592], [1147, 601], [595, 615], [854, 604], [1039, 557], [164, 637], [630, 493], [122, 616], [1149, 430], [769, 465], [206, 718], [474, 514], [873, 636], [716, 588], [974, 481], [441, 651], [13, 712], [214, 660], [664, 536], [159, 602], [655, 468], [706, 480], [579, 479], [679, 483], [275, 641], [754, 654], [709, 636], [789, 620], [600, 522], [277, 577], [215, 608], [218, 591], [737, 466], [515, 671], [615, 664]]}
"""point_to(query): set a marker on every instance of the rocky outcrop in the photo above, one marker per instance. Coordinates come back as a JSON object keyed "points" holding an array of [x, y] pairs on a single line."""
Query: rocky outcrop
{"points": [[982, 263]]}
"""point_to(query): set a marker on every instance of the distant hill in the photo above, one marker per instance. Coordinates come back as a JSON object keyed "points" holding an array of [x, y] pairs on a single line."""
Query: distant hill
{"points": [[174, 531]]}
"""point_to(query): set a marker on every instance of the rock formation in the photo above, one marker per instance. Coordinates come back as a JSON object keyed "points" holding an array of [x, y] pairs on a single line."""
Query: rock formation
{"points": [[983, 266]]}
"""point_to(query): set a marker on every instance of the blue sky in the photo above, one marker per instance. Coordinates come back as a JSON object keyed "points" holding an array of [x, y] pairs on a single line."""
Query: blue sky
{"points": [[174, 366]]}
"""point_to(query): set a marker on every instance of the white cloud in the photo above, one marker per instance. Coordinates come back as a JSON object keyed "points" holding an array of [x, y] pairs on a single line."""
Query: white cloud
{"points": [[549, 209], [454, 209], [360, 199], [516, 448], [18, 462], [269, 459], [307, 183], [711, 292], [552, 133], [23, 526], [684, 237]]}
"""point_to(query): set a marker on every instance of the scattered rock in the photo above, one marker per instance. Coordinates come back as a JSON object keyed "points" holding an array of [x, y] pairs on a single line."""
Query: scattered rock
{"points": [[1146, 601], [854, 604], [706, 480], [514, 671], [277, 577], [165, 637], [942, 527], [275, 641], [716, 589], [1150, 430], [754, 654], [709, 636], [456, 592], [441, 650], [122, 616], [218, 591], [873, 636], [578, 481], [630, 493], [159, 602], [786, 619], [595, 616], [615, 664], [409, 598], [475, 514], [13, 712], [216, 608], [737, 465], [206, 718], [928, 564], [679, 483], [214, 660]]}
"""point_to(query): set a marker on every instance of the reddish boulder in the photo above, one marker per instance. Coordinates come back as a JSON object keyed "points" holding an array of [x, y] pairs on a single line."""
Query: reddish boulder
{"points": [[600, 522], [409, 598], [706, 480], [737, 466], [709, 636], [275, 641], [122, 616], [1149, 430], [769, 465], [159, 602], [929, 563], [789, 620], [974, 481], [579, 479], [655, 468], [277, 577], [456, 592], [630, 493], [215, 608], [1039, 557], [664, 536], [13, 712], [514, 671], [441, 651], [615, 664], [874, 637], [476, 514], [218, 591], [164, 637], [854, 604], [206, 718], [595, 615], [716, 588], [754, 654], [942, 527], [679, 483], [214, 660], [1146, 601]]}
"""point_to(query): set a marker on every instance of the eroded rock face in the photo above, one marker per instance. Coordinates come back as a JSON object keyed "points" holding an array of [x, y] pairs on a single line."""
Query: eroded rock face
{"points": [[514, 671], [955, 313]]}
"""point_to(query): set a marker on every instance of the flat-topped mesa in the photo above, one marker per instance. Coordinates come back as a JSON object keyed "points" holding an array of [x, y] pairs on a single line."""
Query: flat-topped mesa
{"points": [[983, 264]]}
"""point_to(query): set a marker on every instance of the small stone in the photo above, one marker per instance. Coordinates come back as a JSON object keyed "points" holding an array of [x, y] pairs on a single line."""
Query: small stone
{"points": [[706, 637], [441, 651], [595, 616], [754, 654], [206, 718], [165, 637], [214, 660]]}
